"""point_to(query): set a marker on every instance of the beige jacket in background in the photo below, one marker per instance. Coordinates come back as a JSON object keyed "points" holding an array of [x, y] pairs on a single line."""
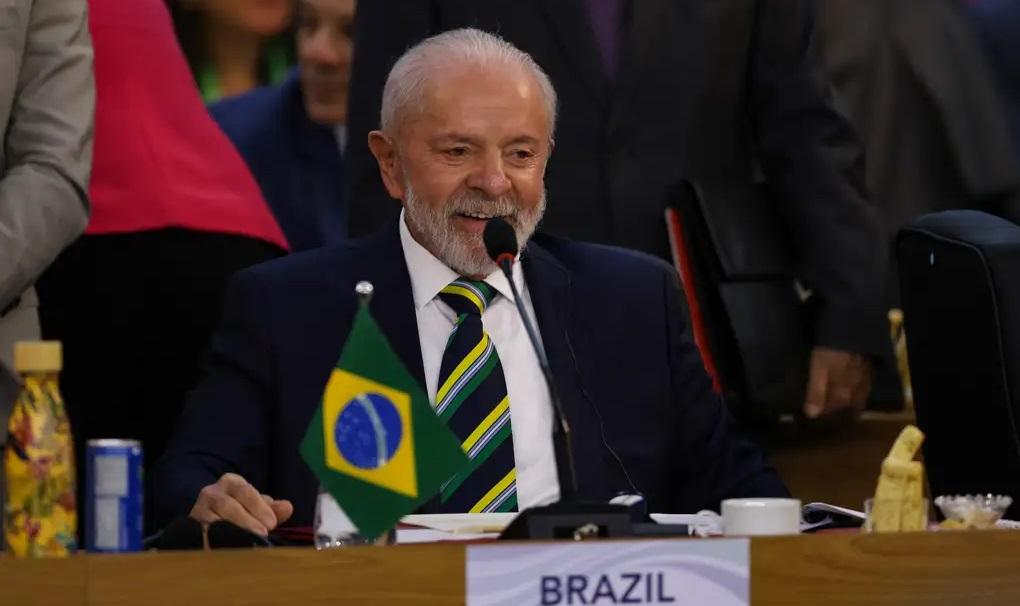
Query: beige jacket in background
{"points": [[47, 99]]}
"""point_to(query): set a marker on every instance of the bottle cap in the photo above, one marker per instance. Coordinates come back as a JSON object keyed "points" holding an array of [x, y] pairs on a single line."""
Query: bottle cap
{"points": [[38, 356]]}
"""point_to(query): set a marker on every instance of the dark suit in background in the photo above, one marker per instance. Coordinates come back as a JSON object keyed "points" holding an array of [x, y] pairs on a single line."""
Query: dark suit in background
{"points": [[911, 78], [704, 90], [998, 26], [635, 389], [296, 162], [914, 81]]}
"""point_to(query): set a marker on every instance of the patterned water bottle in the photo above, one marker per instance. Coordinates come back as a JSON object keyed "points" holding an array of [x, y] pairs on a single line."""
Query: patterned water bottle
{"points": [[41, 518]]}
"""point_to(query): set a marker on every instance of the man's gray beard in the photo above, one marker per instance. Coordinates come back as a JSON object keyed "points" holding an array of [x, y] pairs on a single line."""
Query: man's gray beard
{"points": [[467, 257]]}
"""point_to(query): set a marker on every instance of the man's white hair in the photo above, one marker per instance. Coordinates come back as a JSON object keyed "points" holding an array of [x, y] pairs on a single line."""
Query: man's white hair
{"points": [[405, 85]]}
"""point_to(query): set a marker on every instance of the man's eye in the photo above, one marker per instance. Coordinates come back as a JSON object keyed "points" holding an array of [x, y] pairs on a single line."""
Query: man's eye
{"points": [[523, 154], [456, 152]]}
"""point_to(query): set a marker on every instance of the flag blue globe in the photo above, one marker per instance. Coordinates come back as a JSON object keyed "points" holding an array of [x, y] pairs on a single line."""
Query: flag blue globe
{"points": [[368, 431]]}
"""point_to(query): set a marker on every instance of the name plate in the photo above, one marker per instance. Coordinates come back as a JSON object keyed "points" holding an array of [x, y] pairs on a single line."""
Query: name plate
{"points": [[678, 572]]}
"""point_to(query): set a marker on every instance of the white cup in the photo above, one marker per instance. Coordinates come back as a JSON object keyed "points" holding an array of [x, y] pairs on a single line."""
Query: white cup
{"points": [[745, 517]]}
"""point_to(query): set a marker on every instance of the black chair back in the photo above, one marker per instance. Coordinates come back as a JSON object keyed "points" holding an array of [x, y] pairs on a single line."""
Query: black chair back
{"points": [[960, 288]]}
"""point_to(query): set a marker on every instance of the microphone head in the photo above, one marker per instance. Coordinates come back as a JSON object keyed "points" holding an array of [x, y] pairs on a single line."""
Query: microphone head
{"points": [[500, 241]]}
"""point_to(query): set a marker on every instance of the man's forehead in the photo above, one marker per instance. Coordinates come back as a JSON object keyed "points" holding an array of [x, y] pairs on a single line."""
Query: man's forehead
{"points": [[495, 74], [458, 99], [458, 136], [479, 125]]}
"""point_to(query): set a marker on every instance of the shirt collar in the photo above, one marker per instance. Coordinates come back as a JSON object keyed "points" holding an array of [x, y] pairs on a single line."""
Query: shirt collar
{"points": [[429, 275]]}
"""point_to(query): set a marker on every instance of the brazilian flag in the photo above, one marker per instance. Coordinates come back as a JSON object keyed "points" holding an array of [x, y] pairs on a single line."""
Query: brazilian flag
{"points": [[375, 443]]}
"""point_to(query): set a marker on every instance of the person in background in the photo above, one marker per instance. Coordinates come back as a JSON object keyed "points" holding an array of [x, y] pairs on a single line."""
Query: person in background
{"points": [[47, 97], [234, 46], [292, 135], [998, 26], [175, 213], [655, 92], [911, 77]]}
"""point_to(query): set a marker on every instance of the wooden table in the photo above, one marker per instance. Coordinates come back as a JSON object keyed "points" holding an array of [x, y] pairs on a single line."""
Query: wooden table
{"points": [[951, 568], [837, 466]]}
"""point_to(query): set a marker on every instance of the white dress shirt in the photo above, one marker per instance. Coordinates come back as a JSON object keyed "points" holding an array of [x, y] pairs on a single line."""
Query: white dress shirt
{"points": [[530, 407]]}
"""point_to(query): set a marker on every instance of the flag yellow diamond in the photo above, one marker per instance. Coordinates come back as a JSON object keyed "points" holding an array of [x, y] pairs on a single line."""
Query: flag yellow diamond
{"points": [[367, 432]]}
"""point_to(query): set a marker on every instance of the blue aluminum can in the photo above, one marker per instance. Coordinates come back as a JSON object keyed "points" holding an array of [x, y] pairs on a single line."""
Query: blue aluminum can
{"points": [[113, 496]]}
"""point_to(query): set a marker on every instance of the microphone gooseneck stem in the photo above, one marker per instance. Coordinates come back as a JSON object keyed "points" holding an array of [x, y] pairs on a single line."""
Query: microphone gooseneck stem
{"points": [[565, 472]]}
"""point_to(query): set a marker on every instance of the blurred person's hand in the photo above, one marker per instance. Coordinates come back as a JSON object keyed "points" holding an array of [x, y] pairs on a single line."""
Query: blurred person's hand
{"points": [[838, 380], [234, 500]]}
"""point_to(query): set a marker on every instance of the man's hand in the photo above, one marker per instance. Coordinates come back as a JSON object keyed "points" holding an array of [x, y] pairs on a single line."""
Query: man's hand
{"points": [[233, 499], [838, 380]]}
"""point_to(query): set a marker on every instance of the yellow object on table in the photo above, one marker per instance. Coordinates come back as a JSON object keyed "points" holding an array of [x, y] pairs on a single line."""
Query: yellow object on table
{"points": [[898, 505]]}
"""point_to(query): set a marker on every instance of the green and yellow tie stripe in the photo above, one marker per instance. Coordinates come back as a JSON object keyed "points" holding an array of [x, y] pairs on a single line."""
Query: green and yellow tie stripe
{"points": [[472, 399]]}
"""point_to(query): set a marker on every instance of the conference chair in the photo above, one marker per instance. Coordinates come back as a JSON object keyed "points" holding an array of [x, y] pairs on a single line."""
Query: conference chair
{"points": [[732, 251], [960, 288]]}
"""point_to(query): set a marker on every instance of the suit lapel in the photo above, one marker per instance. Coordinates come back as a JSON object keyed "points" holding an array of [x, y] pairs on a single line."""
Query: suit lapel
{"points": [[645, 27], [550, 290], [393, 302], [393, 309], [574, 34]]}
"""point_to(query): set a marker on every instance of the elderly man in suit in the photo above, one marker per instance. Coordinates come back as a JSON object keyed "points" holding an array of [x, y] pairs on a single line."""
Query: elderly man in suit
{"points": [[292, 135], [656, 92], [467, 128], [47, 99]]}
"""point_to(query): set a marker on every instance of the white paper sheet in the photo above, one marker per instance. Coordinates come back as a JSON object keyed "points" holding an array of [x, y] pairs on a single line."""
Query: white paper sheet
{"points": [[460, 523]]}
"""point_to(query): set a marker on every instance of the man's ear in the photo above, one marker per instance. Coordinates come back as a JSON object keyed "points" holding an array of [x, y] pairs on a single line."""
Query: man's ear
{"points": [[385, 151]]}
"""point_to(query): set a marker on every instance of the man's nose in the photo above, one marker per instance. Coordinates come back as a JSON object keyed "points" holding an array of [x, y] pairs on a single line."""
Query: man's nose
{"points": [[490, 177]]}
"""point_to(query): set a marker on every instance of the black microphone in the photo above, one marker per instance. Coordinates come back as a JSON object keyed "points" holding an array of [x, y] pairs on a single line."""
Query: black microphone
{"points": [[227, 535], [501, 245], [184, 532]]}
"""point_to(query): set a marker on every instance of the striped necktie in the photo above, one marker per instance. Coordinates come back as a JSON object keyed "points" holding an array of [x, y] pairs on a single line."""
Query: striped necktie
{"points": [[473, 401]]}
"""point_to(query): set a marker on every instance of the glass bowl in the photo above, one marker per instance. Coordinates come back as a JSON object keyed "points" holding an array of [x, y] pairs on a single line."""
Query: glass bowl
{"points": [[973, 511]]}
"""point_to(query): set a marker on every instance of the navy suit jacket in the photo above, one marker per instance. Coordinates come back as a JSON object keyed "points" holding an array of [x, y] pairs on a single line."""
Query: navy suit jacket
{"points": [[632, 383], [998, 25], [296, 162]]}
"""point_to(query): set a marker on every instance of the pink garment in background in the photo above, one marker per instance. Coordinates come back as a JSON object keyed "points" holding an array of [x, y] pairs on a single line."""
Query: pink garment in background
{"points": [[160, 160]]}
